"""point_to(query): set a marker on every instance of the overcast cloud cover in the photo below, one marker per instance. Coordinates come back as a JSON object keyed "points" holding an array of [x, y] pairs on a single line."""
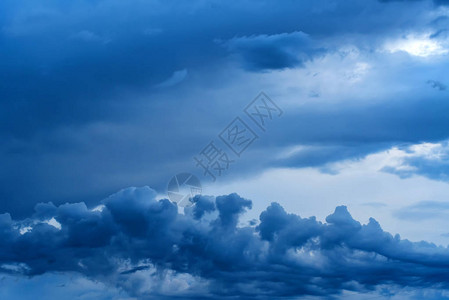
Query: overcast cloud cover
{"points": [[100, 96]]}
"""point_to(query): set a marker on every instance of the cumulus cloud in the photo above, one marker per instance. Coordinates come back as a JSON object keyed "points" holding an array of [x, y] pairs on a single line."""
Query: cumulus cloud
{"points": [[147, 248], [426, 159]]}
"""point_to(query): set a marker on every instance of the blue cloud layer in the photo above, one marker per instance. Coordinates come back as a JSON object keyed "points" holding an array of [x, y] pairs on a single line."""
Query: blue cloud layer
{"points": [[100, 95], [283, 255]]}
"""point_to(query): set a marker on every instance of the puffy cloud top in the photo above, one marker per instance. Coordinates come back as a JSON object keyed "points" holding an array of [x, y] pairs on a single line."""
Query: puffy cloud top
{"points": [[283, 255]]}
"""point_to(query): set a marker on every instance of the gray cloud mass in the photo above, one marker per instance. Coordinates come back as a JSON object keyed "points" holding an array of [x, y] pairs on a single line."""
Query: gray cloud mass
{"points": [[283, 255]]}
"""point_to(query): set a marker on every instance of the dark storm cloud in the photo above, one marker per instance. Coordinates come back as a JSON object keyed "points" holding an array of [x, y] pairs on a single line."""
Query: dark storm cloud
{"points": [[82, 106], [70, 165], [67, 63], [286, 50], [94, 163], [284, 255], [336, 133]]}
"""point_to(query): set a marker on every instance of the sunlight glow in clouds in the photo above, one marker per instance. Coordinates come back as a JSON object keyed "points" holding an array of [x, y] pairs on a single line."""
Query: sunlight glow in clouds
{"points": [[417, 45]]}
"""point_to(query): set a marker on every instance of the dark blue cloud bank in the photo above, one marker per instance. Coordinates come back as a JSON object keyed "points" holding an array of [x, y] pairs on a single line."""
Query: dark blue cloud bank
{"points": [[278, 51], [100, 95], [134, 240]]}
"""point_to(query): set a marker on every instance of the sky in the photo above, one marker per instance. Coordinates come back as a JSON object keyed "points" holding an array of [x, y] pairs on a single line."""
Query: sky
{"points": [[318, 130]]}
